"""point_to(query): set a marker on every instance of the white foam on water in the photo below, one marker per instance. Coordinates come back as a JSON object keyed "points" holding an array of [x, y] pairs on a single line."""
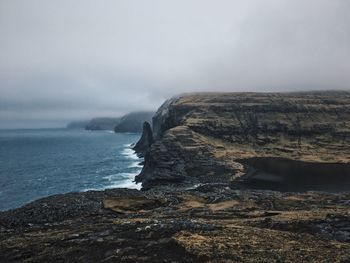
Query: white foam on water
{"points": [[93, 189], [129, 181], [123, 180], [130, 154], [136, 165], [117, 176], [126, 184]]}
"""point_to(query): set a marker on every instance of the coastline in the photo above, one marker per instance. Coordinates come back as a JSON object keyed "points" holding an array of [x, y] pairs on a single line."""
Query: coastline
{"points": [[194, 205], [59, 161], [114, 179]]}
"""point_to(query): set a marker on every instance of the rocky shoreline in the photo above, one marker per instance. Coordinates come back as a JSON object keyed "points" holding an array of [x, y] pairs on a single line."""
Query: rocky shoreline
{"points": [[197, 204]]}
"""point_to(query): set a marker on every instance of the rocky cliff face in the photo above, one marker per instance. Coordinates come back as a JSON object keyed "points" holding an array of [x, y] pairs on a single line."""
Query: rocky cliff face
{"points": [[206, 137]]}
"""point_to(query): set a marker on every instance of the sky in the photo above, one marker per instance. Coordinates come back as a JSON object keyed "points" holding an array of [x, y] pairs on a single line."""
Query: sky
{"points": [[64, 60]]}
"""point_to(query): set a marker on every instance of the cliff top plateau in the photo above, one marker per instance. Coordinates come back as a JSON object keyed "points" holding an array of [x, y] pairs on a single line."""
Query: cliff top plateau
{"points": [[219, 137]]}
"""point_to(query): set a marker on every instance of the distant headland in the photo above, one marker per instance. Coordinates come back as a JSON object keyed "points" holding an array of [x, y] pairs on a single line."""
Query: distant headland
{"points": [[131, 122]]}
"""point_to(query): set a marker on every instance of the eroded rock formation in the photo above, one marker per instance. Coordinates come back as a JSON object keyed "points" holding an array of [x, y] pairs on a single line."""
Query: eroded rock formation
{"points": [[146, 140]]}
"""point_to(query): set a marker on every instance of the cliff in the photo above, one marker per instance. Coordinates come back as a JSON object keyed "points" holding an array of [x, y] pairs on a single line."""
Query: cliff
{"points": [[133, 122], [221, 137], [145, 142], [102, 123]]}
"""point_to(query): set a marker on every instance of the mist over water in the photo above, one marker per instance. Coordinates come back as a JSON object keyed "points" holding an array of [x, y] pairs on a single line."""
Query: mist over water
{"points": [[62, 61], [39, 163]]}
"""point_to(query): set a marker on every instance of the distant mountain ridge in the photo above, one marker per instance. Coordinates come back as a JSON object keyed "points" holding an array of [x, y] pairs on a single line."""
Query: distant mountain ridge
{"points": [[77, 124], [131, 122], [102, 123]]}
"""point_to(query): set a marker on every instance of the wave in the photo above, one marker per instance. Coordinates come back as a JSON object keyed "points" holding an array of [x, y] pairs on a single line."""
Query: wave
{"points": [[136, 165], [93, 189], [123, 179], [126, 184], [130, 154], [129, 178], [119, 176]]}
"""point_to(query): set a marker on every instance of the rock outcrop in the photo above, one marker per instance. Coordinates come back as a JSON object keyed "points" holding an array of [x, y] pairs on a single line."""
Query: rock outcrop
{"points": [[146, 140], [133, 122], [205, 137]]}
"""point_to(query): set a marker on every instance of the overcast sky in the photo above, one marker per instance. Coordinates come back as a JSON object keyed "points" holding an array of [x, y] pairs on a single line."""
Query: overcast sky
{"points": [[63, 60]]}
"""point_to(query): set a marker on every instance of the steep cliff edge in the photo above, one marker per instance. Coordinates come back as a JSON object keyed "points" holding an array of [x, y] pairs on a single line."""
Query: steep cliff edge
{"points": [[210, 137]]}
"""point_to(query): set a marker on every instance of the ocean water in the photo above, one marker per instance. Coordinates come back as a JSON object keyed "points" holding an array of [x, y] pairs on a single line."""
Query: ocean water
{"points": [[38, 163]]}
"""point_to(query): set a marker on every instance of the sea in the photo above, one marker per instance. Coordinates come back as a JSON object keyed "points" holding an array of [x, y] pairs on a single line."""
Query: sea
{"points": [[36, 163]]}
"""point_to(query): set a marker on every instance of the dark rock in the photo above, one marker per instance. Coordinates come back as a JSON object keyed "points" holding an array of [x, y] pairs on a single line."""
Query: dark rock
{"points": [[211, 225], [146, 140]]}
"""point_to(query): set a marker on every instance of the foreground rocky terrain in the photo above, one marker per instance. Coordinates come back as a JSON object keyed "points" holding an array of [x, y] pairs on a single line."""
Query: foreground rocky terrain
{"points": [[212, 223], [211, 161]]}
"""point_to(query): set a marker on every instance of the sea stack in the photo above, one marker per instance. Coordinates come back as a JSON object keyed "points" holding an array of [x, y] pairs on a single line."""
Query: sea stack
{"points": [[146, 140]]}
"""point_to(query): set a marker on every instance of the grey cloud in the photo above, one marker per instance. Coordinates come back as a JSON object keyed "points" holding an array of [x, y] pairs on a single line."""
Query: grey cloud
{"points": [[65, 60]]}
